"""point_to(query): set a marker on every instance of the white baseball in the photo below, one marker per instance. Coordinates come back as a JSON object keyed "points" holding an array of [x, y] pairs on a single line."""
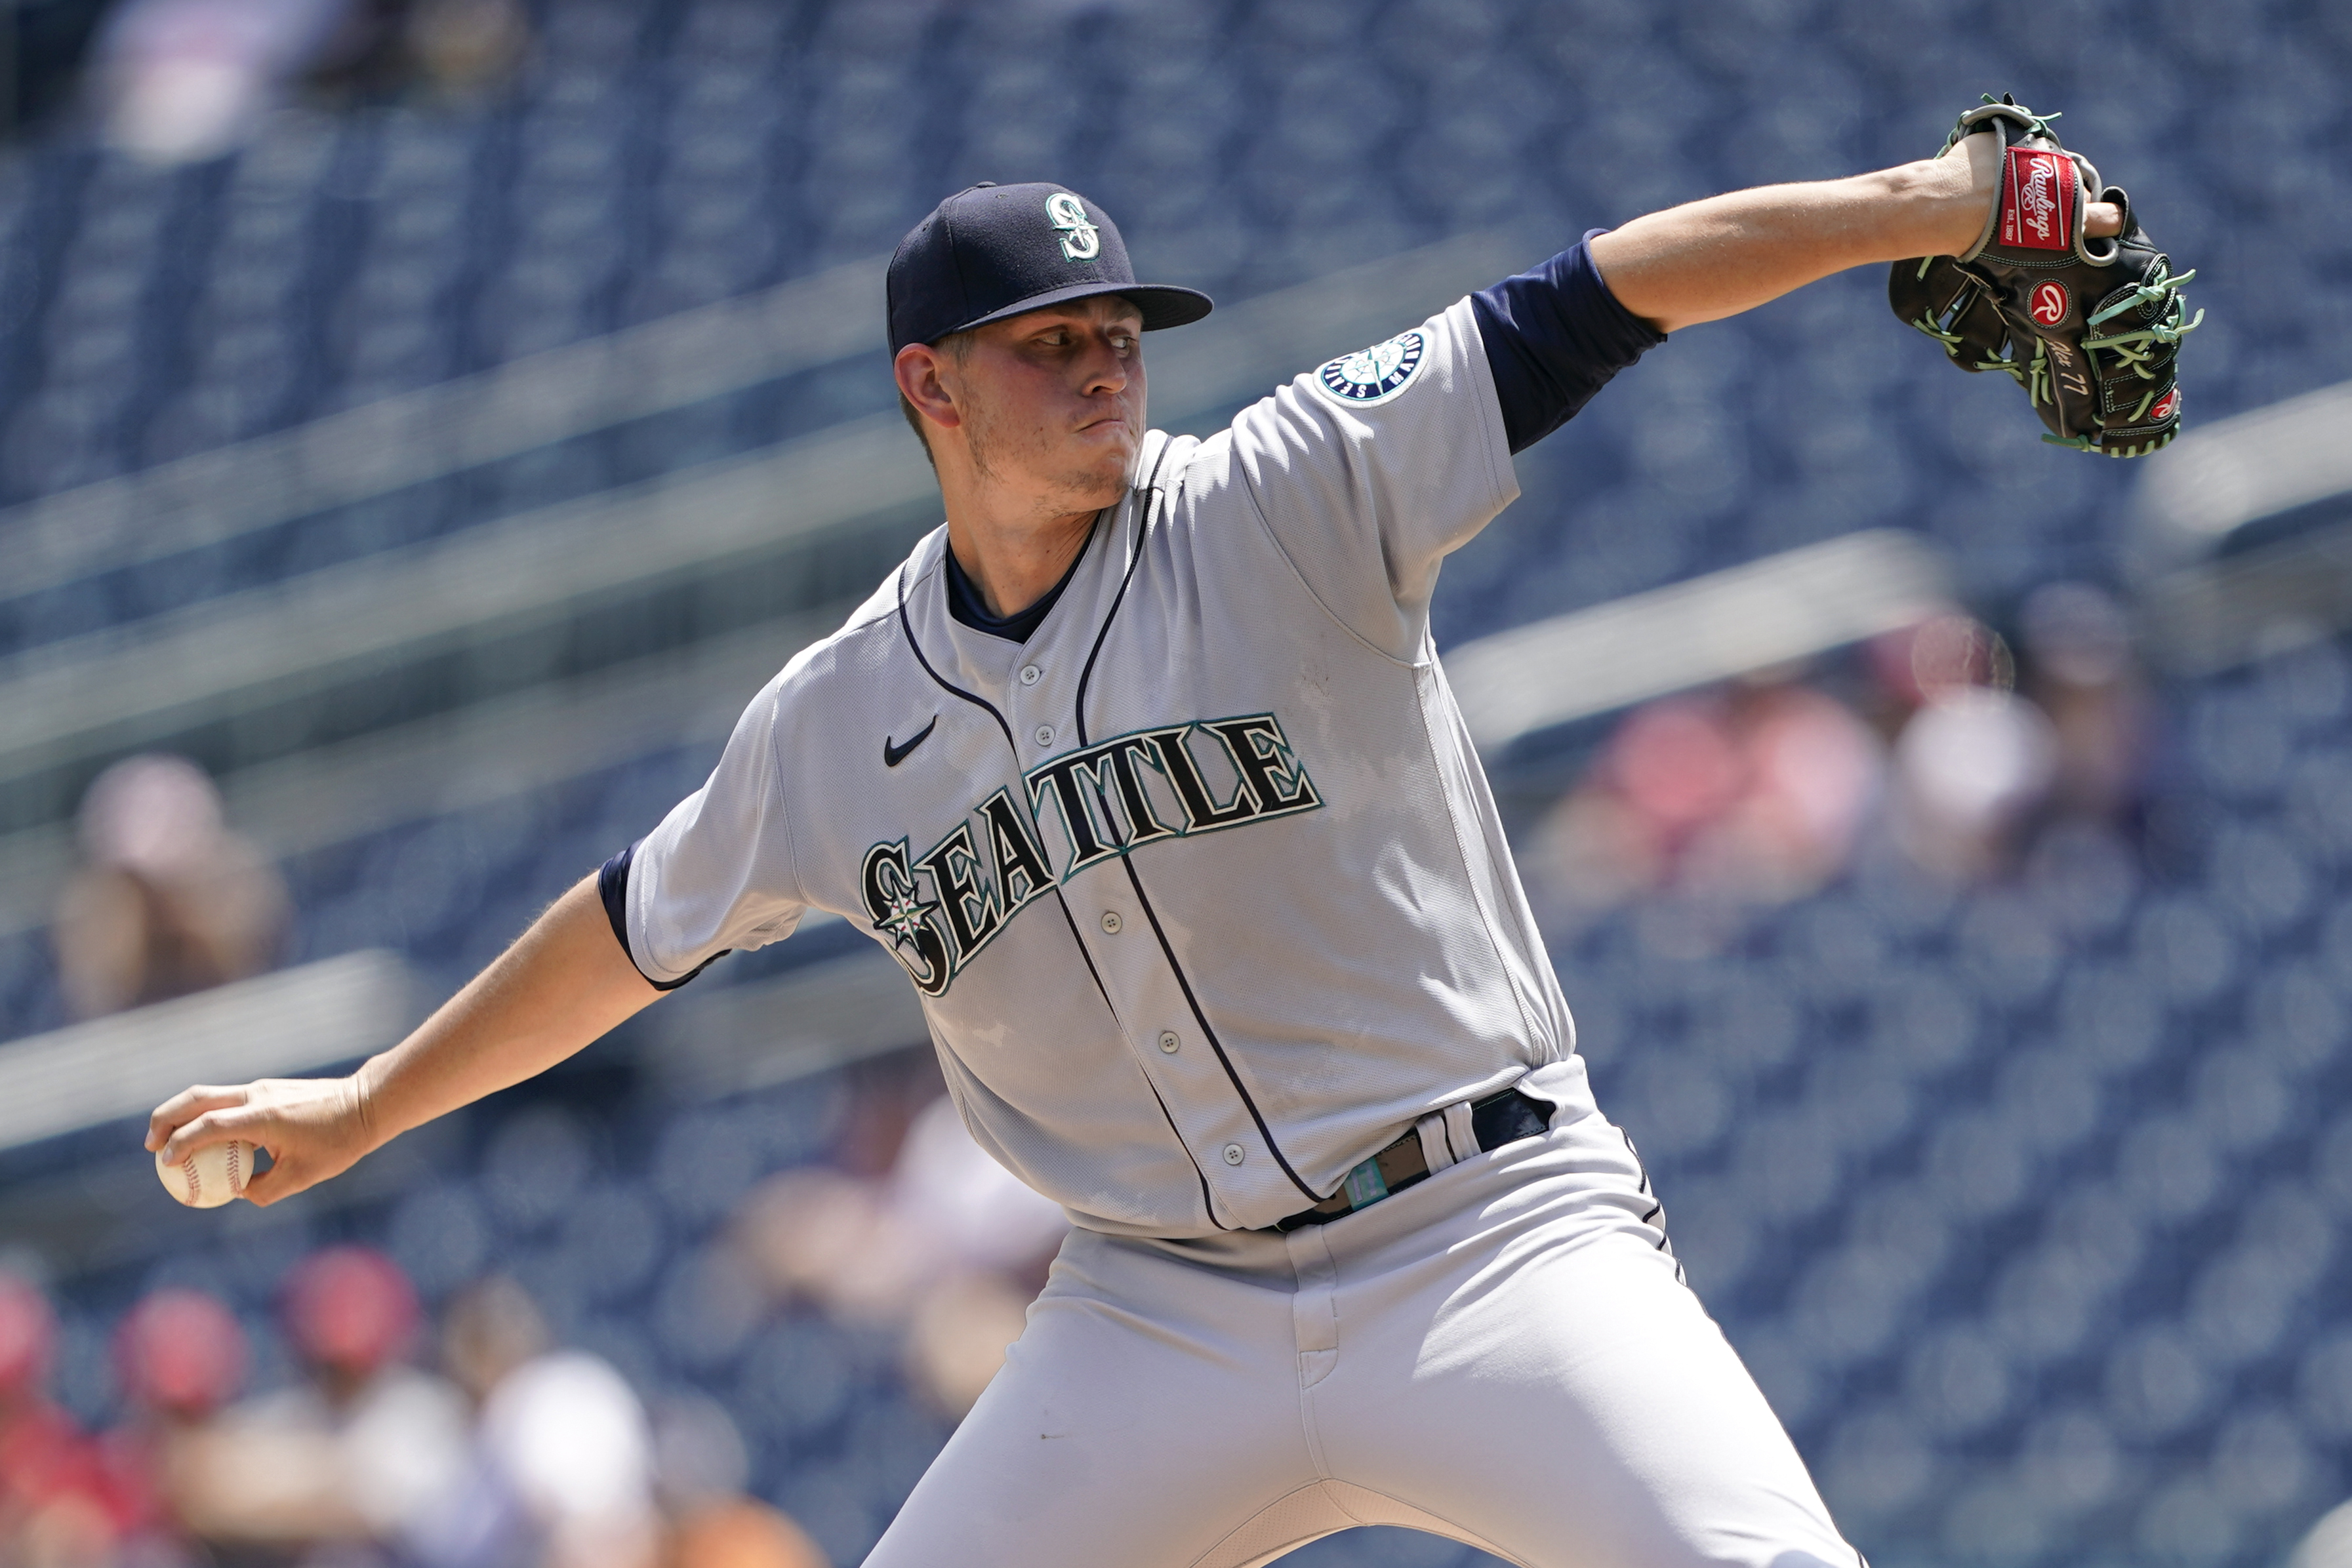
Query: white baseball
{"points": [[208, 1177]]}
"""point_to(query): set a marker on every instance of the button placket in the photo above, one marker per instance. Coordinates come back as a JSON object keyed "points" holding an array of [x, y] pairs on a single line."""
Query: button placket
{"points": [[1206, 1114]]}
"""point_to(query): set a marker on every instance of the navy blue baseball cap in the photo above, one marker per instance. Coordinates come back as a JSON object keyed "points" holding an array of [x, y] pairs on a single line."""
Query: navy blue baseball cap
{"points": [[993, 251]]}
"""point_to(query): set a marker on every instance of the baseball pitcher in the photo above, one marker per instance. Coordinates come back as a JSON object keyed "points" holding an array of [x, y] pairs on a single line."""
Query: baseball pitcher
{"points": [[1144, 768]]}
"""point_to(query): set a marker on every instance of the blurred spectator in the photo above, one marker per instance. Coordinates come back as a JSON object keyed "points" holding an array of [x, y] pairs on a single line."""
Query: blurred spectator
{"points": [[701, 1470], [971, 1212], [171, 902], [180, 1356], [55, 1507], [1939, 657], [830, 1236], [2080, 670], [1974, 761], [569, 1435], [739, 1533], [1972, 767], [830, 1239], [886, 1094], [562, 1455], [956, 1344], [1753, 794], [462, 46], [360, 1457], [490, 1328], [454, 48], [186, 80], [991, 1238], [1759, 793], [951, 1248]]}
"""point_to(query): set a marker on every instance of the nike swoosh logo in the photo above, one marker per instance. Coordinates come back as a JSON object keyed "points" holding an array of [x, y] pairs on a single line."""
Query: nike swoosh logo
{"points": [[894, 755]]}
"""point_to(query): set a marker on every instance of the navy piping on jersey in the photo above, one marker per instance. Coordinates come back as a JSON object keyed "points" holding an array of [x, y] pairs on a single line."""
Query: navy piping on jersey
{"points": [[1135, 880], [1194, 1003], [612, 889], [1087, 672], [945, 685], [1554, 337], [1208, 1204], [906, 627]]}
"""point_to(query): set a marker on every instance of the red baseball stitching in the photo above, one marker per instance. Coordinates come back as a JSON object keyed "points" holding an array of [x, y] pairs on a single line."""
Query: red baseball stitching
{"points": [[235, 1181], [195, 1182]]}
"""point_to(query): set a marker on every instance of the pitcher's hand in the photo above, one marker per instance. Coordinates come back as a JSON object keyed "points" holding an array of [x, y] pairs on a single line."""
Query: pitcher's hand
{"points": [[1982, 153], [314, 1128]]}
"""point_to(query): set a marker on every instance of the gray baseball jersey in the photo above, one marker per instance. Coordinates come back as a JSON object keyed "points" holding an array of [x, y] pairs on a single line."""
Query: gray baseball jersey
{"points": [[1201, 886]]}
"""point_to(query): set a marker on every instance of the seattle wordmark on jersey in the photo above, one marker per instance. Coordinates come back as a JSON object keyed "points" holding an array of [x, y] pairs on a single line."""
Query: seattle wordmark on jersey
{"points": [[1103, 801]]}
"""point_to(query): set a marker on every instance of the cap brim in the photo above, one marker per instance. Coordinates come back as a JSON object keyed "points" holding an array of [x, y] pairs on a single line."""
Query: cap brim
{"points": [[1162, 304]]}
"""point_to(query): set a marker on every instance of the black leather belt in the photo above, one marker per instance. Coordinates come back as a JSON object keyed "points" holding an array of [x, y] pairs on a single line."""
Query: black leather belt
{"points": [[1497, 1120]]}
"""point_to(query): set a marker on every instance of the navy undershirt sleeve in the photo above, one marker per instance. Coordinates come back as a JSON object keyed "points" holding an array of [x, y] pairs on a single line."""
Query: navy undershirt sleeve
{"points": [[612, 888], [1554, 337]]}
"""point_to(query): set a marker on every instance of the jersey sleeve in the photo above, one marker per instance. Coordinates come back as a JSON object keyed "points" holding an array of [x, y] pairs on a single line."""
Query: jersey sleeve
{"points": [[718, 875], [1369, 469]]}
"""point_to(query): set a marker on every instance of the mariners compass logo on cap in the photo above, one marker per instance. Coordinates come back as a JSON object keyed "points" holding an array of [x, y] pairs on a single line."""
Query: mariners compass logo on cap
{"points": [[1081, 241], [982, 255]]}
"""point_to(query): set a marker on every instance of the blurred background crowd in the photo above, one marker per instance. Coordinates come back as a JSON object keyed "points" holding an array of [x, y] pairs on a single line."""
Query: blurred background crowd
{"points": [[422, 423], [341, 1424]]}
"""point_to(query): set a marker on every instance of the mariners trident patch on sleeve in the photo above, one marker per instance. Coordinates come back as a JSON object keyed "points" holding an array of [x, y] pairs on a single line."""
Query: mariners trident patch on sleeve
{"points": [[1372, 375]]}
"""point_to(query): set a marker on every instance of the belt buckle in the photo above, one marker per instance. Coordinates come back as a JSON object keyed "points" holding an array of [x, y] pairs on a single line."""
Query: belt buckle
{"points": [[1365, 1185]]}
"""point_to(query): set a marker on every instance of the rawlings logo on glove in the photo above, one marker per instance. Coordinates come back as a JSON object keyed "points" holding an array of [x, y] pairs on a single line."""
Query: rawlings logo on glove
{"points": [[2090, 330], [2038, 200]]}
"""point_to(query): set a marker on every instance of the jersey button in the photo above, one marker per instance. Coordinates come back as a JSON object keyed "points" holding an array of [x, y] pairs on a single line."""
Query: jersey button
{"points": [[1111, 922], [1168, 1043], [1235, 1154], [1030, 674], [1044, 735]]}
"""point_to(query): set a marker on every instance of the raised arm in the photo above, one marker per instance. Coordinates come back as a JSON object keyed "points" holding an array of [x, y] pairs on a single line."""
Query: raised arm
{"points": [[1706, 260], [561, 985]]}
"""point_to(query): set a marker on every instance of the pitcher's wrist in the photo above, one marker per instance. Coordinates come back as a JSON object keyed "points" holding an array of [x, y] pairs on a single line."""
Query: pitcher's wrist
{"points": [[1953, 194], [367, 1107]]}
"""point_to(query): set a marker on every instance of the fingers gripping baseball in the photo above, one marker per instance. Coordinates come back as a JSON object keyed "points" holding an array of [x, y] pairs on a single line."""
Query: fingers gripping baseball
{"points": [[314, 1128]]}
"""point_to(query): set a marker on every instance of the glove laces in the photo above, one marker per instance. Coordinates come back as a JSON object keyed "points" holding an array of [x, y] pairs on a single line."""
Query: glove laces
{"points": [[2136, 348]]}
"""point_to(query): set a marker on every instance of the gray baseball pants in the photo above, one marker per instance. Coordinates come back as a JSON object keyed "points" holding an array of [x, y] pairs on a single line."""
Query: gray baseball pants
{"points": [[1503, 1354]]}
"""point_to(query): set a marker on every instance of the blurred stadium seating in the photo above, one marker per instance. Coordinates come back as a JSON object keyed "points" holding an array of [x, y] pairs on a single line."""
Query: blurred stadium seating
{"points": [[2027, 1202]]}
